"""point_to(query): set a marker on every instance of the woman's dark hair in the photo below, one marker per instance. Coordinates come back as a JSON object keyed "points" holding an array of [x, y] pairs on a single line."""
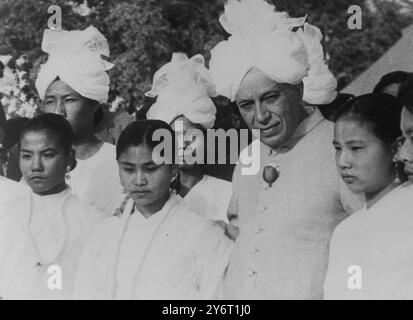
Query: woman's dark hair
{"points": [[406, 93], [396, 77], [141, 132], [55, 124], [380, 111]]}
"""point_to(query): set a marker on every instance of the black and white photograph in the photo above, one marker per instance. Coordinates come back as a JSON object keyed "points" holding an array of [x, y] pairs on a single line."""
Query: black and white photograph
{"points": [[223, 151]]}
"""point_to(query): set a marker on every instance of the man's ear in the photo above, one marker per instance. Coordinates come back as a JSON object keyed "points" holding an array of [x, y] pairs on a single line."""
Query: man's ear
{"points": [[175, 172], [72, 159], [96, 106]]}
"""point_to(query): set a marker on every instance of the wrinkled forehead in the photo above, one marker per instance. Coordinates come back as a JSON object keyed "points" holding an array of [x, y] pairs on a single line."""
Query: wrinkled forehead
{"points": [[256, 83]]}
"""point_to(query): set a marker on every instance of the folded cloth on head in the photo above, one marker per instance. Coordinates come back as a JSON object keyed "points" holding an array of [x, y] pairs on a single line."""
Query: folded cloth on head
{"points": [[183, 87], [75, 57], [288, 50]]}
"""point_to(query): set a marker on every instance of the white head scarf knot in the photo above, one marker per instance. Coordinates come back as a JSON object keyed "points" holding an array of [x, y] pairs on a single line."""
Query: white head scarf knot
{"points": [[75, 57], [265, 39], [184, 88]]}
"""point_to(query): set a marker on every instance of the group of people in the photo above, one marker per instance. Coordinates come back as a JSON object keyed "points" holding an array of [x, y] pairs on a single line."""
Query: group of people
{"points": [[119, 223]]}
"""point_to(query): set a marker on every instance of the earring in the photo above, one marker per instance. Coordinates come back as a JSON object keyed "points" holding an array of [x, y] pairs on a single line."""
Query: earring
{"points": [[396, 167], [68, 168], [123, 190]]}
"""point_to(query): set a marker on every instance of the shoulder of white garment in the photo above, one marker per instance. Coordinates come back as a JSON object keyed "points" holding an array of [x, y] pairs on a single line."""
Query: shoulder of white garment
{"points": [[192, 223], [88, 215], [10, 189]]}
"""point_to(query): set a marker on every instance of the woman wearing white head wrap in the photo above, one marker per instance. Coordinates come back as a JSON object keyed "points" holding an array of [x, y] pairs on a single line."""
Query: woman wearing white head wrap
{"points": [[184, 88], [73, 82]]}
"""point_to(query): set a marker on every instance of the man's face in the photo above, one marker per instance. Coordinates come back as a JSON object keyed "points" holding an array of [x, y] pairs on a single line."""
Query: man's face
{"points": [[406, 152], [62, 99], [273, 108]]}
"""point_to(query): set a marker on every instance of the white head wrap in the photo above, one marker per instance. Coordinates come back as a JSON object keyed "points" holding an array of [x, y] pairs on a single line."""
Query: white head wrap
{"points": [[75, 57], [183, 87], [265, 39]]}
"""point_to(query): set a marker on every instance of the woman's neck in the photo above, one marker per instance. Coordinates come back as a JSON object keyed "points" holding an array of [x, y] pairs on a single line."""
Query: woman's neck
{"points": [[188, 178], [153, 208], [373, 198], [87, 146]]}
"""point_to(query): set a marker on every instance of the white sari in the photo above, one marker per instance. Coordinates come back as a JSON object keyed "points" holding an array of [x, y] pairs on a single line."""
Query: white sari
{"points": [[174, 254]]}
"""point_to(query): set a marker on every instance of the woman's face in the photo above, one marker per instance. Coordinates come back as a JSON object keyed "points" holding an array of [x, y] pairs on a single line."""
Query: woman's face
{"points": [[63, 100], [363, 160], [190, 140], [146, 182], [43, 162]]}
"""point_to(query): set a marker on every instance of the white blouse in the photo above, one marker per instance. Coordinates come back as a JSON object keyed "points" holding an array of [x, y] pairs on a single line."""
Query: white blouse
{"points": [[174, 254], [38, 232]]}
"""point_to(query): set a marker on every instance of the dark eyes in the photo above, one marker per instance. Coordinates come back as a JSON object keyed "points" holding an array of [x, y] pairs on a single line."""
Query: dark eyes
{"points": [[246, 106], [271, 98], [356, 148], [26, 156]]}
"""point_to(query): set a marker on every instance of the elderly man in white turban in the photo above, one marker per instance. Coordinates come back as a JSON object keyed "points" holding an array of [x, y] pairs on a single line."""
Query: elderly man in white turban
{"points": [[272, 66], [73, 82], [184, 88]]}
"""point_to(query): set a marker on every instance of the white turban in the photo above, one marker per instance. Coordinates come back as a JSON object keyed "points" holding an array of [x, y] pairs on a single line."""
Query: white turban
{"points": [[265, 39], [75, 57], [184, 88]]}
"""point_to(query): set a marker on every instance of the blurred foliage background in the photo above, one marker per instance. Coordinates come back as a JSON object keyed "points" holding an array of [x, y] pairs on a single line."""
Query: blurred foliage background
{"points": [[143, 34]]}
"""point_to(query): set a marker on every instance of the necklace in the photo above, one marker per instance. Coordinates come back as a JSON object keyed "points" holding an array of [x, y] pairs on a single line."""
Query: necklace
{"points": [[41, 262]]}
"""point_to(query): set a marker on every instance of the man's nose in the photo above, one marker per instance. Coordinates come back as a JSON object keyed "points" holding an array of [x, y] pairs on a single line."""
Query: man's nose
{"points": [[60, 108], [261, 113], [404, 154]]}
